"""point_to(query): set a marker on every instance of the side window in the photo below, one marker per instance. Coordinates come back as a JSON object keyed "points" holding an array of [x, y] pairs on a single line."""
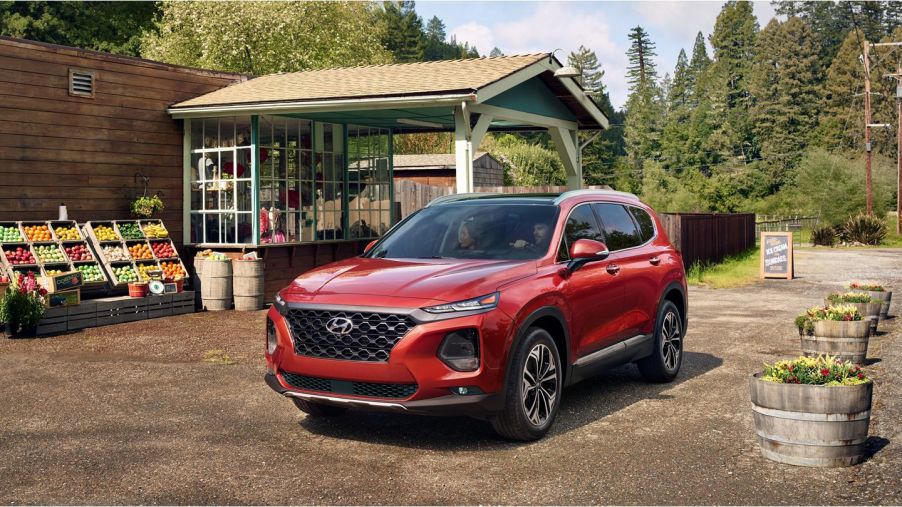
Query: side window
{"points": [[580, 225], [619, 229], [646, 224]]}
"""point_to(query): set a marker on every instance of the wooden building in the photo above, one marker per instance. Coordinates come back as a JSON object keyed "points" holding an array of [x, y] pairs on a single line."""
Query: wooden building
{"points": [[439, 169]]}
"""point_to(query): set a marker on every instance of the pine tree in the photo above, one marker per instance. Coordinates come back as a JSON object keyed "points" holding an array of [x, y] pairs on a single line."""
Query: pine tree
{"points": [[496, 52], [842, 120], [643, 107], [680, 87], [784, 86], [698, 67], [434, 44], [585, 61], [675, 133], [404, 35]]}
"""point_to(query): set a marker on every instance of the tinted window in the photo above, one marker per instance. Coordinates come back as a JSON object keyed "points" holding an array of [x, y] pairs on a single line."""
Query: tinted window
{"points": [[580, 225], [472, 231], [619, 229], [646, 225]]}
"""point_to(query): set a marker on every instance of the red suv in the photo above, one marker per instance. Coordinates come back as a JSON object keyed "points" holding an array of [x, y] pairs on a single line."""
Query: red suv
{"points": [[484, 305]]}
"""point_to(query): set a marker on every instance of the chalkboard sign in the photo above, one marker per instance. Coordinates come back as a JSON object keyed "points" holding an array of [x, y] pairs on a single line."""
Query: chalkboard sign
{"points": [[776, 255]]}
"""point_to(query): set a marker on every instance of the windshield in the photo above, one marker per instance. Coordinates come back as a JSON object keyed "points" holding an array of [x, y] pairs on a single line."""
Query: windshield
{"points": [[472, 231]]}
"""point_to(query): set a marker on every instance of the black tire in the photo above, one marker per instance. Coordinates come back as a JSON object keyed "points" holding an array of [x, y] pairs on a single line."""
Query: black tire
{"points": [[514, 422], [661, 366], [318, 409]]}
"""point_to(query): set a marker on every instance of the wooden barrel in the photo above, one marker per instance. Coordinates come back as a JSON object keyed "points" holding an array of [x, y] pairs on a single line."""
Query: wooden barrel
{"points": [[216, 285], [885, 297], [247, 278], [819, 426], [869, 312], [196, 283], [846, 340]]}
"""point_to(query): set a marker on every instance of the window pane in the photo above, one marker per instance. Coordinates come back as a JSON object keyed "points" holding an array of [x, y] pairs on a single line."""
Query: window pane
{"points": [[646, 224], [580, 225], [245, 228], [619, 229]]}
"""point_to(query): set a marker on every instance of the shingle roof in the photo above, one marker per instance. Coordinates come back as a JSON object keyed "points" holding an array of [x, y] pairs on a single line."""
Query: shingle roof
{"points": [[422, 78], [429, 160]]}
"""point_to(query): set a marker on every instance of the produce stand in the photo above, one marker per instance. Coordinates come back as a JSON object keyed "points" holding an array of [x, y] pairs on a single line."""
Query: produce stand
{"points": [[138, 241], [114, 310]]}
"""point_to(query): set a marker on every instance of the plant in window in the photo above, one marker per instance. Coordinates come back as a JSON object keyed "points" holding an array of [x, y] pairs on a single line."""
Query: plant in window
{"points": [[145, 207], [22, 306]]}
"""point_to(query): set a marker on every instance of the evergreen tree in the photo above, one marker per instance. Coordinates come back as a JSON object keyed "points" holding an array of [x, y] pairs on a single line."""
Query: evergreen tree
{"points": [[643, 107], [434, 44], [496, 52], [676, 128], [842, 121], [784, 85], [680, 88], [727, 84], [585, 61], [404, 35]]}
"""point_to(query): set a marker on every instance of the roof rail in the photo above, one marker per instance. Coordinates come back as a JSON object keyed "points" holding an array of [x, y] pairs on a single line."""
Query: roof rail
{"points": [[458, 197], [574, 193]]}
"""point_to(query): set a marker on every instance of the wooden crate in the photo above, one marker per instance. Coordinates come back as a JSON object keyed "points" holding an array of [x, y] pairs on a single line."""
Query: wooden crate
{"points": [[53, 224], [183, 302], [115, 310], [82, 316], [159, 306], [55, 321], [118, 223]]}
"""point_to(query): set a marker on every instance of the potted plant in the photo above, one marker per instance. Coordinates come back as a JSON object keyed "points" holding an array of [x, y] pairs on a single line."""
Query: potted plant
{"points": [[22, 306], [837, 330], [145, 207], [877, 291], [867, 306], [812, 411]]}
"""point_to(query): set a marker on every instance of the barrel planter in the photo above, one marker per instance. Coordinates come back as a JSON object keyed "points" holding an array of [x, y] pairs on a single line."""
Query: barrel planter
{"points": [[869, 312], [885, 298], [810, 425], [196, 282], [216, 285], [847, 340], [247, 281]]}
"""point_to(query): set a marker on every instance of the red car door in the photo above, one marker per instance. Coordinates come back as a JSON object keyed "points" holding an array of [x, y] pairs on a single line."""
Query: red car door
{"points": [[593, 292], [636, 259]]}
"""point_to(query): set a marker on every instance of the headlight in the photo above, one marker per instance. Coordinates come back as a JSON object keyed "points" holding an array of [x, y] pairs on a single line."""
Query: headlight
{"points": [[460, 350], [271, 339], [481, 303]]}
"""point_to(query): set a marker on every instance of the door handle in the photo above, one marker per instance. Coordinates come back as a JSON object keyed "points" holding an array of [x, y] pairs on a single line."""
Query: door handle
{"points": [[655, 260], [613, 269]]}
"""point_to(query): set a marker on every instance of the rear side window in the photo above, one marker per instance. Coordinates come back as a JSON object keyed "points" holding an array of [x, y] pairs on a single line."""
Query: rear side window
{"points": [[619, 228], [646, 224], [580, 225]]}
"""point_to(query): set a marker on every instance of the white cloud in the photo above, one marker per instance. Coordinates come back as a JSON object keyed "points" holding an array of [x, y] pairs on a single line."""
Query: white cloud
{"points": [[544, 27], [680, 20]]}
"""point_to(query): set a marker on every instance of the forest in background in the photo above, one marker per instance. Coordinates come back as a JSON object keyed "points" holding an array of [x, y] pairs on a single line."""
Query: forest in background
{"points": [[770, 119]]}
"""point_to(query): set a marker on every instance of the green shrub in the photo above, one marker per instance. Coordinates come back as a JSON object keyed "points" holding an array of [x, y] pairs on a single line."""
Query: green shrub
{"points": [[849, 297], [805, 322], [865, 229], [823, 235]]}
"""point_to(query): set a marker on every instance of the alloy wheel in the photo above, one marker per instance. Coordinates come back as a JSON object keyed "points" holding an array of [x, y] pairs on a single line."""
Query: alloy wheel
{"points": [[540, 384], [671, 340]]}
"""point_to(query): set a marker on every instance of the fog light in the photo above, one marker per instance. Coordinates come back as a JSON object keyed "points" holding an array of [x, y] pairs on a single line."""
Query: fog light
{"points": [[460, 350], [466, 390], [271, 338]]}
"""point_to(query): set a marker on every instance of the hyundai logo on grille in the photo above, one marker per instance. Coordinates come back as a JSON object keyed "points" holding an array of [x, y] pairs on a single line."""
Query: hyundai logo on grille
{"points": [[340, 326]]}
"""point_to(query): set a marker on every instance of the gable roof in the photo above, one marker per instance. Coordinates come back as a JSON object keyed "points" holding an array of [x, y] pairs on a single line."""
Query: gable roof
{"points": [[394, 80], [431, 160]]}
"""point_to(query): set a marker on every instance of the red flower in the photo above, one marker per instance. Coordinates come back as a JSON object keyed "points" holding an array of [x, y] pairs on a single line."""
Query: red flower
{"points": [[857, 368], [825, 372], [860, 375], [791, 367], [42, 291]]}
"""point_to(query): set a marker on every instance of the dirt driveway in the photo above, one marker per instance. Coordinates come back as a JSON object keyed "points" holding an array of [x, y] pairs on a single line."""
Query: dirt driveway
{"points": [[133, 414]]}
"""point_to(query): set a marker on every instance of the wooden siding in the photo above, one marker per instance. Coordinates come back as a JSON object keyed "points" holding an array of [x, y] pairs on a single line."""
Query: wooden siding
{"points": [[87, 152], [708, 238]]}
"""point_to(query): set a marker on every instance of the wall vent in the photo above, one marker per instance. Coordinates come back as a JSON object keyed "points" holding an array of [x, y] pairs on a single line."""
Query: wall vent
{"points": [[81, 83]]}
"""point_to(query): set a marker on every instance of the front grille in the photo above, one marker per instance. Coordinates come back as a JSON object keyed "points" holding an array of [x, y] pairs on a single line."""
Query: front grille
{"points": [[353, 388], [371, 337]]}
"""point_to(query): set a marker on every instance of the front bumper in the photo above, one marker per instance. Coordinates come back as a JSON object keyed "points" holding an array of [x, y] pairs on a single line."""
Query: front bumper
{"points": [[450, 405]]}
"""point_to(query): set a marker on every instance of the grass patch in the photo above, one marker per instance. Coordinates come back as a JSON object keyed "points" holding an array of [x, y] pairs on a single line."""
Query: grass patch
{"points": [[735, 271], [892, 239], [219, 357]]}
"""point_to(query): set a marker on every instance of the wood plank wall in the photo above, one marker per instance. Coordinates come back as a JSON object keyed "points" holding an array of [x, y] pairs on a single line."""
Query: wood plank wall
{"points": [[708, 238], [85, 152]]}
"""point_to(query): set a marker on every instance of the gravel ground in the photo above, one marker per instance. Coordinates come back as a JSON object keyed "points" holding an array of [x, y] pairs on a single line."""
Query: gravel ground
{"points": [[134, 413]]}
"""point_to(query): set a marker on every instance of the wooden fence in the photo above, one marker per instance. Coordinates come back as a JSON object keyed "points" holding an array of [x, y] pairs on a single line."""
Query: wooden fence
{"points": [[708, 238], [413, 196]]}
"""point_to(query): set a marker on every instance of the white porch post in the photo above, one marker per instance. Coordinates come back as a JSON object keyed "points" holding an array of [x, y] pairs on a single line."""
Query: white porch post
{"points": [[463, 150], [567, 143]]}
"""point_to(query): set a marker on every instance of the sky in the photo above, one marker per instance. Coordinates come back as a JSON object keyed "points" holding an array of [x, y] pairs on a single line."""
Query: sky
{"points": [[518, 27]]}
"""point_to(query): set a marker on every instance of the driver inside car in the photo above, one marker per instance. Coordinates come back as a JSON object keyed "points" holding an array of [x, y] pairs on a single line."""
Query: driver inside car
{"points": [[540, 235]]}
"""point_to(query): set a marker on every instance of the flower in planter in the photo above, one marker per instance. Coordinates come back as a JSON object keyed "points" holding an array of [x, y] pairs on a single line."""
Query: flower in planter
{"points": [[866, 285], [820, 370], [849, 297], [145, 207], [22, 307], [844, 313]]}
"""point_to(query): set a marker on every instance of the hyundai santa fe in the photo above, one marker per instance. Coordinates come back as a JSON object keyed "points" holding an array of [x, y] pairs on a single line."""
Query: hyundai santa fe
{"points": [[484, 305]]}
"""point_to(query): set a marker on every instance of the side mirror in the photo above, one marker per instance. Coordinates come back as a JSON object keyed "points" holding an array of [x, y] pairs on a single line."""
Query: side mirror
{"points": [[584, 251], [369, 246]]}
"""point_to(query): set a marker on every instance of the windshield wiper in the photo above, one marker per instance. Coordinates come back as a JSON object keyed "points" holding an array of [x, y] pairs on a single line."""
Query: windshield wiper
{"points": [[431, 257]]}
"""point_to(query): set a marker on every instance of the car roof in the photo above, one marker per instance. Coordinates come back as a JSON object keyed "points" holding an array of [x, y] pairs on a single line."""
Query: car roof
{"points": [[536, 198]]}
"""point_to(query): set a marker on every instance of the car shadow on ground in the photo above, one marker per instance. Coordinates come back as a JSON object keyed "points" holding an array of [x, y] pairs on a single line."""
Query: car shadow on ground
{"points": [[583, 403]]}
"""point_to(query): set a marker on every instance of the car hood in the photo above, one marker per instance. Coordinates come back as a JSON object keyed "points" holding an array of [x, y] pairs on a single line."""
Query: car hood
{"points": [[438, 279]]}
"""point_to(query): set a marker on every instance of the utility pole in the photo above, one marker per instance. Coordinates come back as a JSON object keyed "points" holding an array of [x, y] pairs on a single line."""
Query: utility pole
{"points": [[867, 127], [898, 77]]}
